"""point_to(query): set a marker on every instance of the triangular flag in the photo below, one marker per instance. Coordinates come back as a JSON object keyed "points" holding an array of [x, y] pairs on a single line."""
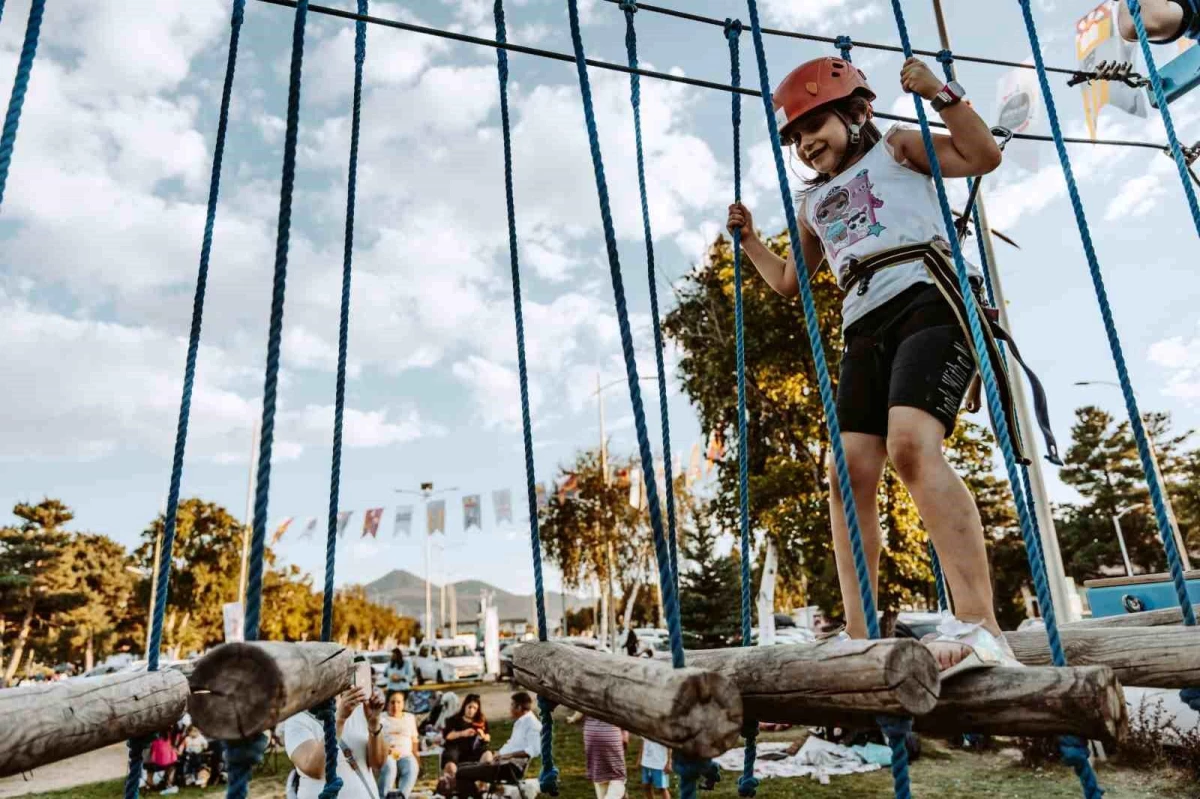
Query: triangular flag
{"points": [[502, 506], [280, 530], [343, 518], [310, 527], [371, 522], [472, 512]]}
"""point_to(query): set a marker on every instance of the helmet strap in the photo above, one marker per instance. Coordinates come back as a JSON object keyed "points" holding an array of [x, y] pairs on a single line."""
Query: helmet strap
{"points": [[855, 133]]}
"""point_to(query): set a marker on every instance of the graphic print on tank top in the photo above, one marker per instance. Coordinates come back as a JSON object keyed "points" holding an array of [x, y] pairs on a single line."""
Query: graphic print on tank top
{"points": [[846, 215]]}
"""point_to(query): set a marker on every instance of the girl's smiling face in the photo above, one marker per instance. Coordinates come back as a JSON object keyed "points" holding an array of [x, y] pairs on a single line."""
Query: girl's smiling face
{"points": [[821, 139]]}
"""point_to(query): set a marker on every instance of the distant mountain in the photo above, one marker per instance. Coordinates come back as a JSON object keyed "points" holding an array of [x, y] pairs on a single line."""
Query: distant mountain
{"points": [[405, 592]]}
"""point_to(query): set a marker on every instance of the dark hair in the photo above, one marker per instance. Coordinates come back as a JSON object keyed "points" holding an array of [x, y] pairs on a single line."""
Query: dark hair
{"points": [[480, 719], [847, 108], [397, 657], [388, 699], [523, 701]]}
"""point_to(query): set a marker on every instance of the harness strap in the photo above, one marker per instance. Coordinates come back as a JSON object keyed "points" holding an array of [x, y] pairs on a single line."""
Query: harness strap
{"points": [[935, 257]]}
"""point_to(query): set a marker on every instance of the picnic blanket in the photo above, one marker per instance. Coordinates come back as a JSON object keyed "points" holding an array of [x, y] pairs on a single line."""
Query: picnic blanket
{"points": [[817, 759]]}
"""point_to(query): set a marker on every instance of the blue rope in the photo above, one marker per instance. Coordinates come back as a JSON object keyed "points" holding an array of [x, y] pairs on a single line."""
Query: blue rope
{"points": [[1003, 434], [635, 95], [332, 783], [1110, 329], [1, 9], [8, 138], [170, 517], [939, 578], [242, 762], [1135, 11], [900, 769], [548, 779], [747, 784], [689, 771]]}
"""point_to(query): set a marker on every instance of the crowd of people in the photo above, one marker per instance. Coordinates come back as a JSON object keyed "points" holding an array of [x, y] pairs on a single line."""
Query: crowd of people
{"points": [[182, 757]]}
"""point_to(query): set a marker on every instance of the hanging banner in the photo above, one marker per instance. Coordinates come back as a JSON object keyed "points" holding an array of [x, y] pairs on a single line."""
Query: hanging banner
{"points": [[1096, 40], [371, 522], [472, 512], [543, 499], [343, 518], [310, 527], [435, 517], [1019, 108], [280, 530], [502, 506], [635, 487], [404, 517]]}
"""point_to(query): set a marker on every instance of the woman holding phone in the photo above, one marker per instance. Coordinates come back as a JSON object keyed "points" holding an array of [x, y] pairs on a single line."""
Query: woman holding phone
{"points": [[361, 745]]}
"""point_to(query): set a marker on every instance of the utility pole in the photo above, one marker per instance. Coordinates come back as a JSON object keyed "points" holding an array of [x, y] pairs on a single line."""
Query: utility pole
{"points": [[252, 482], [425, 493], [1051, 554]]}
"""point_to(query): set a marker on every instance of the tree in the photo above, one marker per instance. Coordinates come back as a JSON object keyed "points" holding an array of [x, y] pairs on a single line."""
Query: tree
{"points": [[710, 593], [31, 592], [98, 568], [1102, 464]]}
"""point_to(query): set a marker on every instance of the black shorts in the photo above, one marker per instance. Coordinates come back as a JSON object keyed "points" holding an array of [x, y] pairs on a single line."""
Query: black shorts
{"points": [[908, 352]]}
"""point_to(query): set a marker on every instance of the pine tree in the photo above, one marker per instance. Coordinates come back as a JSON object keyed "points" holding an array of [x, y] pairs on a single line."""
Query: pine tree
{"points": [[709, 592]]}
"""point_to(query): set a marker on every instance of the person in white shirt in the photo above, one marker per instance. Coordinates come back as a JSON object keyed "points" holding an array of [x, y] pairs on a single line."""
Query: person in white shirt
{"points": [[361, 747], [526, 738], [399, 771], [655, 761]]}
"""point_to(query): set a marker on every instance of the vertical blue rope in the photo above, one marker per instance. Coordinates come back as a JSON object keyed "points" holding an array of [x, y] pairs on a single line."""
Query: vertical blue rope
{"points": [[1135, 11], [8, 139], [747, 784], [939, 578], [1074, 751], [328, 715], [241, 753], [1, 9], [548, 779], [689, 771], [170, 517], [1110, 329], [895, 729], [635, 95]]}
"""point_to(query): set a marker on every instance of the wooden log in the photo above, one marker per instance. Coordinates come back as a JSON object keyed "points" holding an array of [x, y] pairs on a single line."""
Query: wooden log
{"points": [[696, 712], [1025, 701], [41, 724], [1149, 618], [811, 683], [1162, 657], [242, 689]]}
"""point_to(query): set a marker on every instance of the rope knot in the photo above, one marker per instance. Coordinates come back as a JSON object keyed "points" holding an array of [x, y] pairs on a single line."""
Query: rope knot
{"points": [[733, 28], [844, 43], [945, 57], [548, 781], [694, 770], [1192, 697], [331, 789], [629, 6], [747, 786], [246, 753]]}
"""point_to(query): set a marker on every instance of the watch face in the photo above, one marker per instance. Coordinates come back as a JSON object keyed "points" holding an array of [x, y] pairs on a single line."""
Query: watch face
{"points": [[956, 88]]}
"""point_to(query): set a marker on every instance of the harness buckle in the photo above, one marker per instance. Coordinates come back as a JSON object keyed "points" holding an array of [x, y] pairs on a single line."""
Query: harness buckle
{"points": [[859, 275]]}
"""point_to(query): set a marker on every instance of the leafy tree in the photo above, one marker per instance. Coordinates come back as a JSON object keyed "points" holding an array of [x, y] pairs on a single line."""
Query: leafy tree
{"points": [[709, 593], [98, 568], [1102, 464], [31, 592]]}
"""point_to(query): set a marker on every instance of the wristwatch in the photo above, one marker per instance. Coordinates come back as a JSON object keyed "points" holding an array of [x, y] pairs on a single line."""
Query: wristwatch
{"points": [[951, 94]]}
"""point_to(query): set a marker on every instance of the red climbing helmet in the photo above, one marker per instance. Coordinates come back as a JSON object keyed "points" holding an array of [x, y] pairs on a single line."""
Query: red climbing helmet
{"points": [[815, 83]]}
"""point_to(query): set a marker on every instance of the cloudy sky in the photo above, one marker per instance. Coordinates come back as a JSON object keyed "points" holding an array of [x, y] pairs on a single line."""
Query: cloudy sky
{"points": [[104, 211]]}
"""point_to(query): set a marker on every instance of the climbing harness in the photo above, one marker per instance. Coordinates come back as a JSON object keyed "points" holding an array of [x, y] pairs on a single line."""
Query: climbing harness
{"points": [[937, 259]]}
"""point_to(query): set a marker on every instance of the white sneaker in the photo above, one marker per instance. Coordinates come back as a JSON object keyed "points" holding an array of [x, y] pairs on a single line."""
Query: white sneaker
{"points": [[987, 650], [173, 789]]}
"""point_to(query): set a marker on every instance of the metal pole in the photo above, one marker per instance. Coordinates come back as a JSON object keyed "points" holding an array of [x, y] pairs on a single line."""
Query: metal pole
{"points": [[250, 486], [153, 585], [1121, 541], [1051, 554], [1183, 554]]}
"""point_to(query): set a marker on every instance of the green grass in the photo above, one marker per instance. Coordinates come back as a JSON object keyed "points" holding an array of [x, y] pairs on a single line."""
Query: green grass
{"points": [[940, 774]]}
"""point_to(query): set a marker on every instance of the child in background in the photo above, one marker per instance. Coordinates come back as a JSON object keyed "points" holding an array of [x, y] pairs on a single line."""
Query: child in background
{"points": [[655, 760]]}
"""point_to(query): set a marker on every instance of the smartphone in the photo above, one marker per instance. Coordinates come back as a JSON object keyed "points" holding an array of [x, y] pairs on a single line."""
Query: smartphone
{"points": [[362, 677]]}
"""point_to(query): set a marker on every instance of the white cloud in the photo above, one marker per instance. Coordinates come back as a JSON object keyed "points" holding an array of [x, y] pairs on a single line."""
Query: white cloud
{"points": [[820, 16], [1179, 356], [495, 390]]}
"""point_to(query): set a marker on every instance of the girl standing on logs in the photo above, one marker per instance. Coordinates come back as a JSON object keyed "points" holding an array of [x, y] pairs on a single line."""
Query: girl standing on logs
{"points": [[871, 211]]}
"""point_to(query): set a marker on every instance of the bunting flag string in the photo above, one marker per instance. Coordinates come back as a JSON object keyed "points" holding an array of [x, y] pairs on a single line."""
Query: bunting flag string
{"points": [[404, 519], [502, 506], [310, 527], [371, 522], [280, 530], [343, 518], [472, 512], [435, 517]]}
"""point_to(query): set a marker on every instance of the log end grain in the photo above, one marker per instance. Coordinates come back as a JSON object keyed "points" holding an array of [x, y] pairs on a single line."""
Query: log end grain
{"points": [[235, 689]]}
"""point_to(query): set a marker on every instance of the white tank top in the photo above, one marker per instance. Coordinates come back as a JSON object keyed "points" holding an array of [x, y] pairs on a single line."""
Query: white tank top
{"points": [[875, 205]]}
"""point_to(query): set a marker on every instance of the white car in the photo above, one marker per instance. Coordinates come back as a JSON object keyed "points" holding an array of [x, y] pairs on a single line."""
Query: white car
{"points": [[447, 661]]}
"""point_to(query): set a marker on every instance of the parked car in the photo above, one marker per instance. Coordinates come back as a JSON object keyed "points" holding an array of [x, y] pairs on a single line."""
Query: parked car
{"points": [[446, 660]]}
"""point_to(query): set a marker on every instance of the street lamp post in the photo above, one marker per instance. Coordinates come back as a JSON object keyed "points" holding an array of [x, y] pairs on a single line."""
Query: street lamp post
{"points": [[425, 493], [1121, 536], [1157, 476]]}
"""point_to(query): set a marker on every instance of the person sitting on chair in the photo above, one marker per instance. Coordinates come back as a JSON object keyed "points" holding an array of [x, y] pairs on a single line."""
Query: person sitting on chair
{"points": [[508, 767], [1165, 20]]}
